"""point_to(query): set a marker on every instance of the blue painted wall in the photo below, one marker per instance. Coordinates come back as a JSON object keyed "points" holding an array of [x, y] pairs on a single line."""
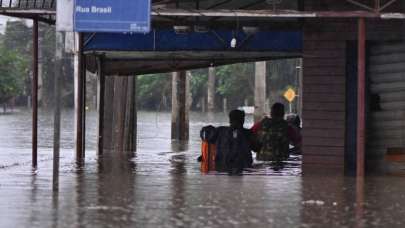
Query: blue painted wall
{"points": [[168, 40]]}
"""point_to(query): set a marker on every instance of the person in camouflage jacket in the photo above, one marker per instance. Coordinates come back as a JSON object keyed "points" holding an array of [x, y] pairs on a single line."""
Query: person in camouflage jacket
{"points": [[274, 136]]}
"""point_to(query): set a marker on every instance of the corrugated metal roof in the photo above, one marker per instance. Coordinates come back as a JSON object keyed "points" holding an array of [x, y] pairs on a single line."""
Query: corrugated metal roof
{"points": [[43, 10], [166, 13], [28, 4], [169, 4]]}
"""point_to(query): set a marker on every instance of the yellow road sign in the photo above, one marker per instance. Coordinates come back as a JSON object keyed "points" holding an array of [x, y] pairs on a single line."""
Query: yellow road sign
{"points": [[289, 95]]}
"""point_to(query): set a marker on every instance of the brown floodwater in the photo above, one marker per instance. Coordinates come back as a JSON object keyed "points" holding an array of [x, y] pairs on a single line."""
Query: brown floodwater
{"points": [[161, 186]]}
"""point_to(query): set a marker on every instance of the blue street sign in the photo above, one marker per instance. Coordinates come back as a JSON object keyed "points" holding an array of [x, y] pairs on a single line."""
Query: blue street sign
{"points": [[112, 16]]}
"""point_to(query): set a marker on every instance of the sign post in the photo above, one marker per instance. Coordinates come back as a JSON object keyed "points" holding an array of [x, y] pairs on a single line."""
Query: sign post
{"points": [[112, 16], [290, 95]]}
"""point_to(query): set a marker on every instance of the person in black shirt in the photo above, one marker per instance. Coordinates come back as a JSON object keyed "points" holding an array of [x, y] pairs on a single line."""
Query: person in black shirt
{"points": [[233, 144]]}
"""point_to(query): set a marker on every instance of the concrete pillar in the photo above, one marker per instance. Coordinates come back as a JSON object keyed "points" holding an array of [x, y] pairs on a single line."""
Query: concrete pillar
{"points": [[225, 105], [189, 98], [119, 109], [267, 106], [130, 131], [117, 120], [211, 89], [100, 104], [180, 110], [202, 102], [108, 114], [260, 91]]}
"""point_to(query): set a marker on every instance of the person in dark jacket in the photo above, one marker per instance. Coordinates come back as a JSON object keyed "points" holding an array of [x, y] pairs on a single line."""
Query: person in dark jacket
{"points": [[234, 145]]}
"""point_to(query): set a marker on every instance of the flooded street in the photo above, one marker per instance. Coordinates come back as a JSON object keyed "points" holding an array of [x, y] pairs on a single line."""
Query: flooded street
{"points": [[161, 185]]}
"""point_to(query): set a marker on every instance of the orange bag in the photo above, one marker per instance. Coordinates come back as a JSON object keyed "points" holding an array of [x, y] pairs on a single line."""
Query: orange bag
{"points": [[208, 153]]}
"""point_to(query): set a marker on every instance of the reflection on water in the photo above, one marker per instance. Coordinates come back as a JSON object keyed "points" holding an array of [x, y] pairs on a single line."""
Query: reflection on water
{"points": [[161, 186]]}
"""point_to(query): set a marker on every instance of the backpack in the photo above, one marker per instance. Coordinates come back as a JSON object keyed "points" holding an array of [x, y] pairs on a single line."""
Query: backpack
{"points": [[208, 149], [209, 134], [232, 150], [273, 137]]}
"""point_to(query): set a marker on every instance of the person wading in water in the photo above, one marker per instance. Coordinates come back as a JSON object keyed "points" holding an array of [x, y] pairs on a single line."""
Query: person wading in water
{"points": [[274, 136]]}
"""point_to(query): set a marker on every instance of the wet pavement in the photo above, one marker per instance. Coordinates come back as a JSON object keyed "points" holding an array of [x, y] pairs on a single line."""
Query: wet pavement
{"points": [[161, 186]]}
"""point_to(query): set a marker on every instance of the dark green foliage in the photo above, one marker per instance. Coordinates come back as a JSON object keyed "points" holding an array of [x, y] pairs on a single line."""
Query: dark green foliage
{"points": [[233, 82], [47, 58], [18, 37], [47, 48], [198, 86], [12, 73], [15, 55], [153, 91], [236, 83]]}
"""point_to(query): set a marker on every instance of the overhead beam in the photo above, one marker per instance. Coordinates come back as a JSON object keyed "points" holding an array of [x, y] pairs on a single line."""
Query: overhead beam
{"points": [[129, 67], [27, 11], [239, 13], [276, 14], [169, 13], [191, 56]]}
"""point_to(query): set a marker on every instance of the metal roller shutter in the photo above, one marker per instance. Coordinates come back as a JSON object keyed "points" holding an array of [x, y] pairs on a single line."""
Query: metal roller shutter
{"points": [[386, 71]]}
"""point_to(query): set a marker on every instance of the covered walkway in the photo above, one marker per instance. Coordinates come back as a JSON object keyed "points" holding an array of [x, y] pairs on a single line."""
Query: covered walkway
{"points": [[116, 189], [202, 33]]}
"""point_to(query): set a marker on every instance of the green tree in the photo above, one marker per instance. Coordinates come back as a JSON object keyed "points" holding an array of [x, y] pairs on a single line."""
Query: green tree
{"points": [[236, 83], [153, 91], [198, 86], [12, 73], [47, 59], [18, 37]]}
